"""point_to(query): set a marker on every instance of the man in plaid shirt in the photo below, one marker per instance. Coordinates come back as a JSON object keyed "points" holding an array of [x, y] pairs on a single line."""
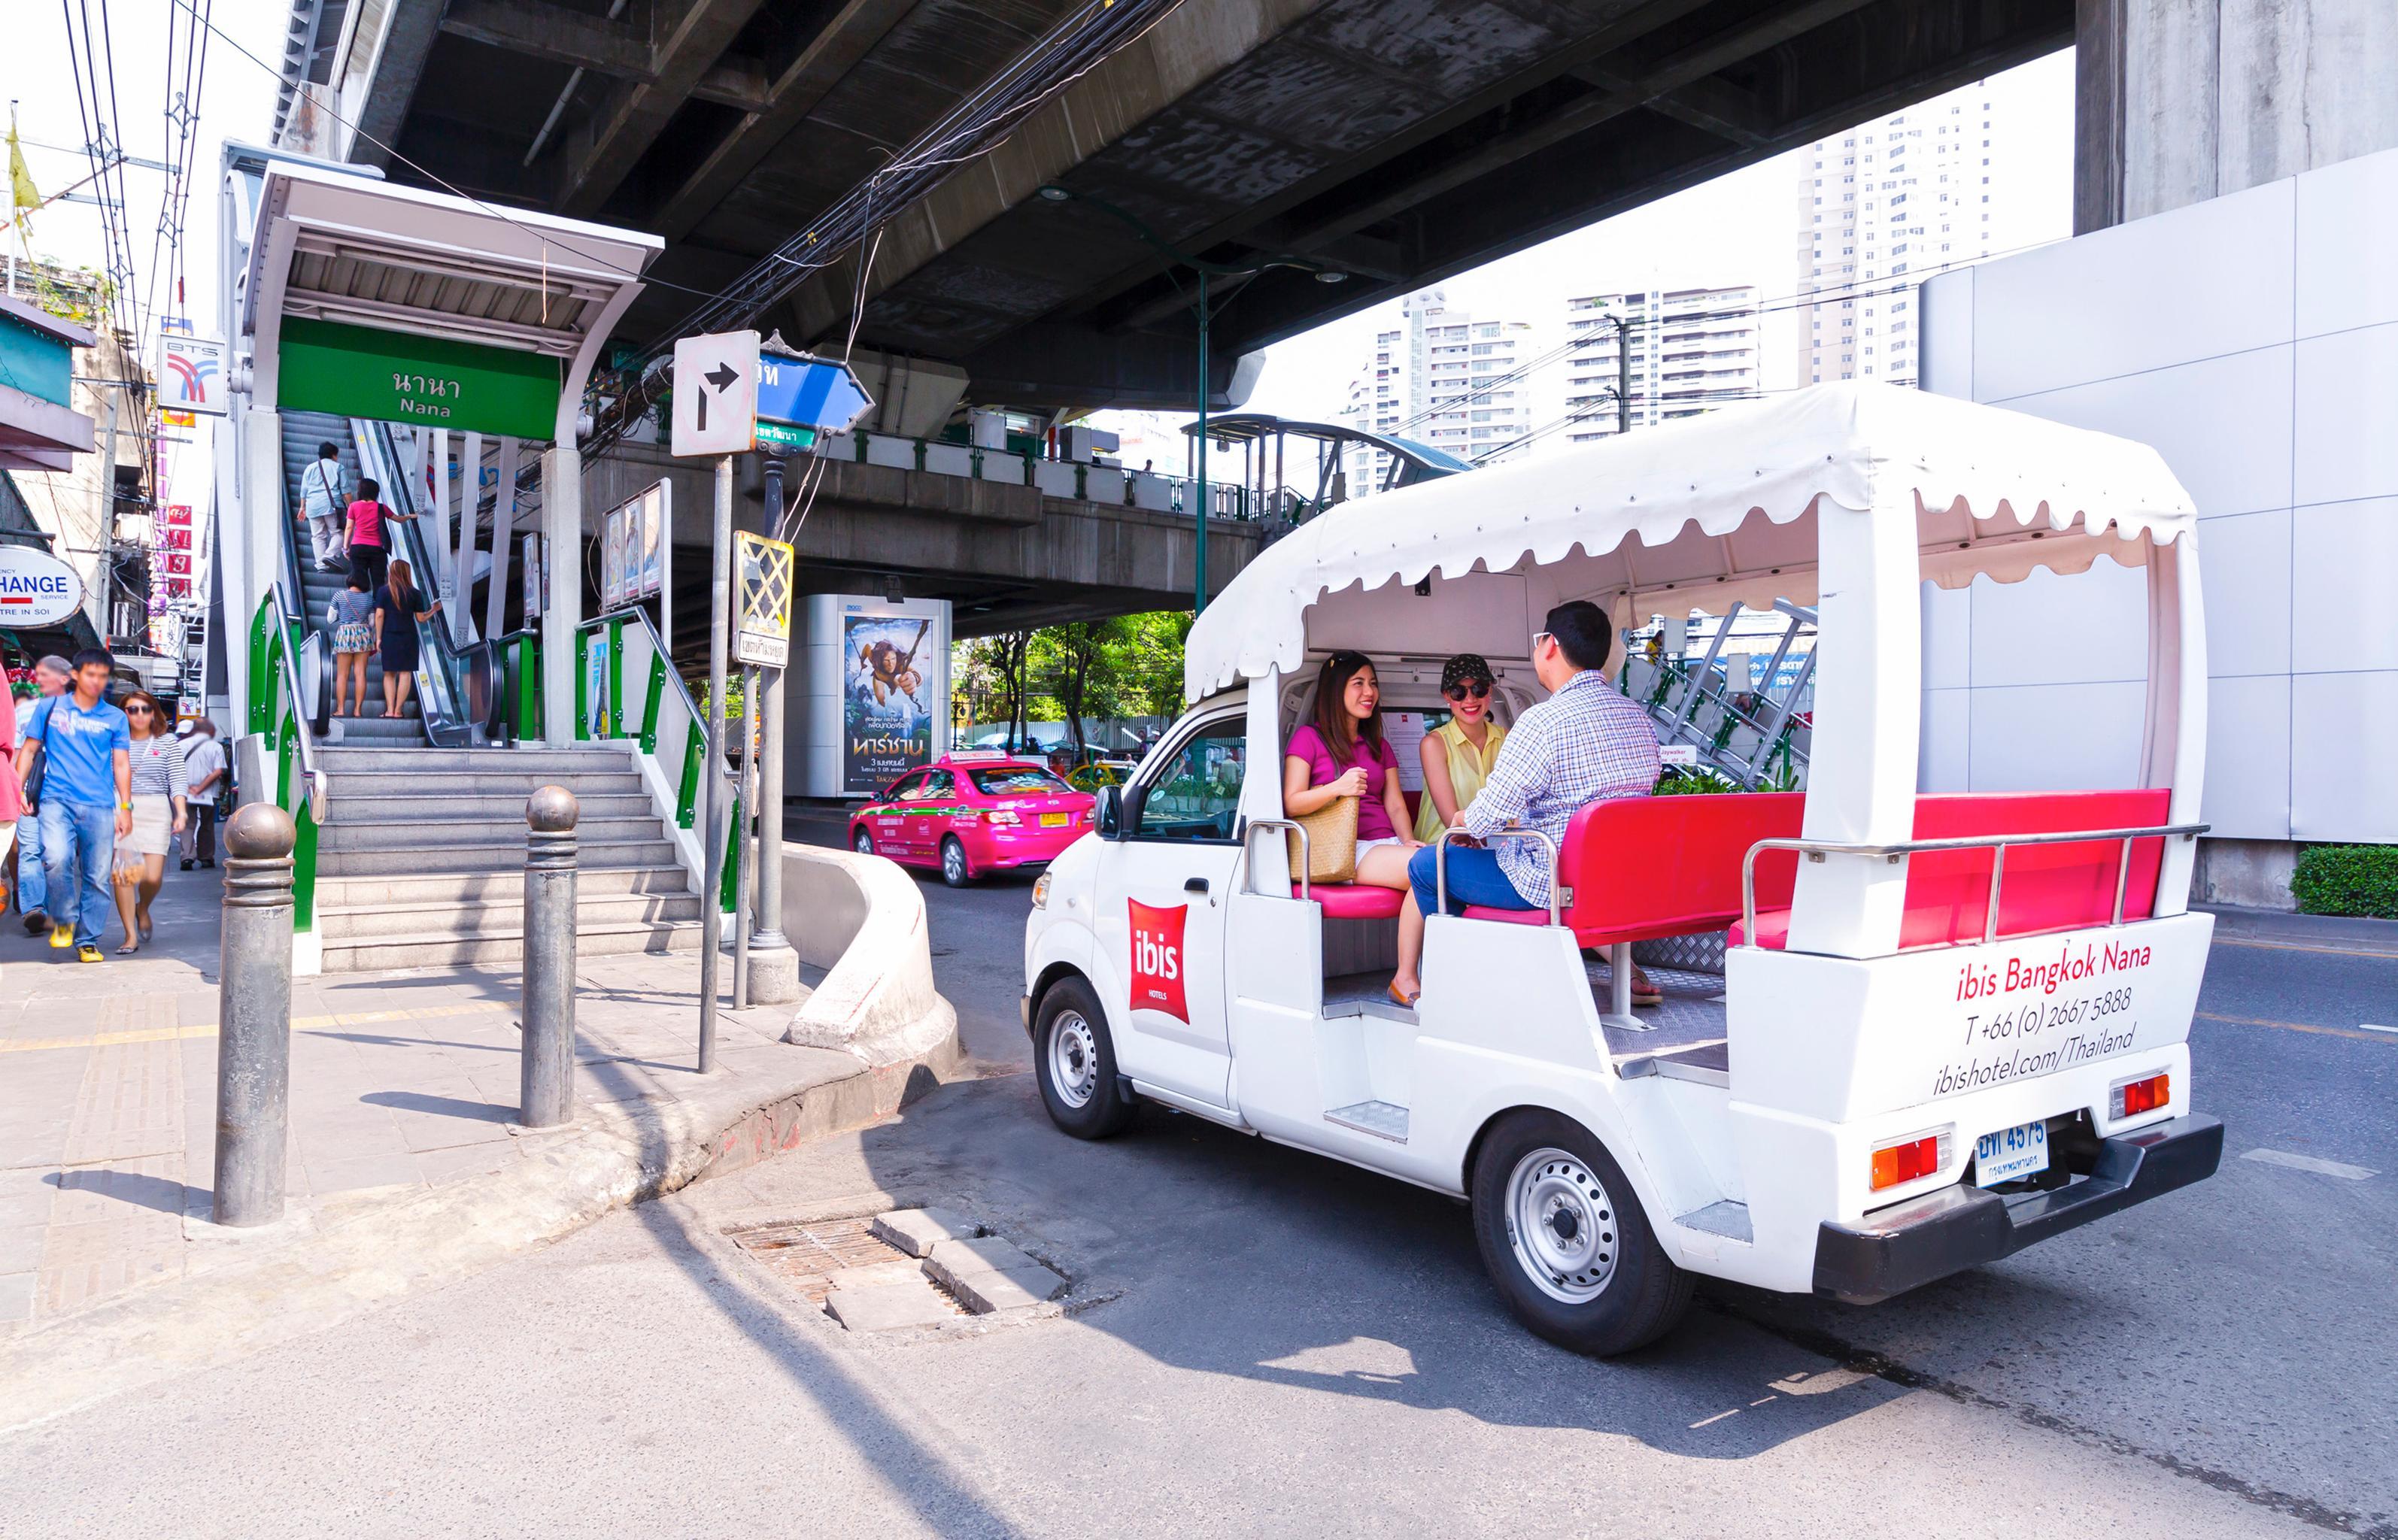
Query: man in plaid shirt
{"points": [[1583, 743]]}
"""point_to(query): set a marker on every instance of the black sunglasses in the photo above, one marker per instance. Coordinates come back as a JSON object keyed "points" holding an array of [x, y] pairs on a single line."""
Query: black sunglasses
{"points": [[142, 709], [1478, 688]]}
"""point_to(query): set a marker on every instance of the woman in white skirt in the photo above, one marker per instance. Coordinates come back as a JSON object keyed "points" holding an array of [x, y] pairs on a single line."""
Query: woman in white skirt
{"points": [[158, 813]]}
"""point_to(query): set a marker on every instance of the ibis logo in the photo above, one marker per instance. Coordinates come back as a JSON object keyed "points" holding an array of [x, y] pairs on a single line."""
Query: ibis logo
{"points": [[1157, 958]]}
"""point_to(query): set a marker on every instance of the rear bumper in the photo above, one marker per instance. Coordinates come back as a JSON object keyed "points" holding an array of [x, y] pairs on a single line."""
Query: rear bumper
{"points": [[1909, 1244]]}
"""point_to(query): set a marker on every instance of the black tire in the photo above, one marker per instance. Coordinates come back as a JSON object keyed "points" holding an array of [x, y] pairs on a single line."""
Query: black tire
{"points": [[862, 842], [1076, 1063], [956, 870], [1627, 1293]]}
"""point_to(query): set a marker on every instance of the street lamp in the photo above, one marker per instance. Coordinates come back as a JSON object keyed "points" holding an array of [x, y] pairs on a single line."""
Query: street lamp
{"points": [[1204, 269]]}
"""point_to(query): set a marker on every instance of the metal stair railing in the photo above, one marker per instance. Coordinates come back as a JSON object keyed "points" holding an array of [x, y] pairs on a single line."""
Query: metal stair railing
{"points": [[288, 756], [656, 713]]}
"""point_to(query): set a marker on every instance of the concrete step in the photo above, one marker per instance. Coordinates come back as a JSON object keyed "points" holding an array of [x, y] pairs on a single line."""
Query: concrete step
{"points": [[500, 885], [354, 759], [378, 730], [435, 805], [592, 911], [504, 857], [504, 830], [363, 786], [441, 950]]}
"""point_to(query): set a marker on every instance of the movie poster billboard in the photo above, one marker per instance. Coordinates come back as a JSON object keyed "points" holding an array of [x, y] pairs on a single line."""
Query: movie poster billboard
{"points": [[892, 690]]}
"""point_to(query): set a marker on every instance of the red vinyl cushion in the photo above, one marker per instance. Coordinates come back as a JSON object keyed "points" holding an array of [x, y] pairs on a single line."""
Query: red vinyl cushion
{"points": [[1348, 901], [2046, 887], [1512, 917]]}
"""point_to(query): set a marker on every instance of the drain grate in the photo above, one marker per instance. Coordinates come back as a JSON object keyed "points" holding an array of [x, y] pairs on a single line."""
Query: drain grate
{"points": [[805, 1256]]}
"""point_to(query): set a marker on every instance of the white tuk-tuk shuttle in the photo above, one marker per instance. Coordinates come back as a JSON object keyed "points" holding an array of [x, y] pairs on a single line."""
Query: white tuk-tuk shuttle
{"points": [[1949, 1025]]}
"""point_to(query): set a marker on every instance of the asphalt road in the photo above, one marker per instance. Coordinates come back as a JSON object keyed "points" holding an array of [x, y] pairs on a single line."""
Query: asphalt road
{"points": [[1268, 1343]]}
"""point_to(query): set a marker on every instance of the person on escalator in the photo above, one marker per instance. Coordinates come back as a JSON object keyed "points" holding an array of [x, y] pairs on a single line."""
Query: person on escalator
{"points": [[399, 608], [320, 494], [370, 523], [351, 618]]}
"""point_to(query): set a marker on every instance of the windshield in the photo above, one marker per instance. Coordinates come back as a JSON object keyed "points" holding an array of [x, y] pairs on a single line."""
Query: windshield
{"points": [[1017, 781]]}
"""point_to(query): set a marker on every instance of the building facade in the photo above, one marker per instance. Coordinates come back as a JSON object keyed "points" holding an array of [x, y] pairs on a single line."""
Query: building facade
{"points": [[1881, 208], [1691, 350], [1445, 378]]}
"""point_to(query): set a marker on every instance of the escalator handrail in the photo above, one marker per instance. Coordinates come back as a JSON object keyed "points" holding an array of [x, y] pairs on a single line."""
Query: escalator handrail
{"points": [[291, 602]]}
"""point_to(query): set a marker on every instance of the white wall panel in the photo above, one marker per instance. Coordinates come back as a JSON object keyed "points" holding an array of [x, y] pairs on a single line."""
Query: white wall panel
{"points": [[2223, 424], [2344, 756], [2209, 279], [2246, 565], [1944, 353], [2345, 556], [2061, 630], [1948, 637], [2057, 737], [2348, 244], [2248, 758], [2346, 415], [1944, 760]]}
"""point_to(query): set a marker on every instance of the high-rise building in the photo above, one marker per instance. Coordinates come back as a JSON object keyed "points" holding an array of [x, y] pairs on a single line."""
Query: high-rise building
{"points": [[1443, 378], [1881, 208], [1691, 350]]}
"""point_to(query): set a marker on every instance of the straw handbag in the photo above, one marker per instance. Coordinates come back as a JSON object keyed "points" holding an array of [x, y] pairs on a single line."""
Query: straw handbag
{"points": [[1331, 842]]}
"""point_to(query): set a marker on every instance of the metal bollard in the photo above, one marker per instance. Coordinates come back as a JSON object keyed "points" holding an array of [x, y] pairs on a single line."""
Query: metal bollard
{"points": [[254, 1006], [545, 1070]]}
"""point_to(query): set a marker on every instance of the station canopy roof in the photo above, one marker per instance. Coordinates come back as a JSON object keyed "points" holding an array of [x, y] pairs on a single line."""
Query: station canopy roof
{"points": [[1696, 514]]}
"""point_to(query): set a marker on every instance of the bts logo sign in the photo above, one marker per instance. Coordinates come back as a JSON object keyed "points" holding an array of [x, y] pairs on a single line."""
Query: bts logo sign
{"points": [[1157, 958]]}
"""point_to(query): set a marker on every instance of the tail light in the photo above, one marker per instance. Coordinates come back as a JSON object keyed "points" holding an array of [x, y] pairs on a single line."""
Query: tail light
{"points": [[1000, 815], [1900, 1160], [2130, 1098]]}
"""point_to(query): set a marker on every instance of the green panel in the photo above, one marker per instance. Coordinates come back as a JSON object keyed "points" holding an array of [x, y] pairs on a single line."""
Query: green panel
{"points": [[582, 685], [687, 796], [399, 376], [37, 362], [261, 627], [657, 702], [616, 679], [303, 869], [732, 843], [785, 436]]}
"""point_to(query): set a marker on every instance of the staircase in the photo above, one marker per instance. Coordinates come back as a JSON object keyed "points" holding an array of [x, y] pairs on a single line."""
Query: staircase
{"points": [[303, 432], [420, 861]]}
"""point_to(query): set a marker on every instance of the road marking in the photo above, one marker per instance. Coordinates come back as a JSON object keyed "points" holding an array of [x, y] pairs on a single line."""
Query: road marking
{"points": [[1717, 1418], [299, 1023], [2370, 1035], [2306, 1163], [2377, 1027], [2299, 946]]}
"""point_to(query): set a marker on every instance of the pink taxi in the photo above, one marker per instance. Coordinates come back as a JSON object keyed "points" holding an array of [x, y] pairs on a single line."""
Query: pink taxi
{"points": [[971, 813]]}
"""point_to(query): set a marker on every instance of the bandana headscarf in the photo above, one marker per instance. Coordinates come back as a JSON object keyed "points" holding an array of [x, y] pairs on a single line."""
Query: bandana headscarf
{"points": [[1464, 667]]}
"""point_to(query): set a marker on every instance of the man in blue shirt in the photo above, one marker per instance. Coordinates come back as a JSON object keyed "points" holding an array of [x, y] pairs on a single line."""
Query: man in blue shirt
{"points": [[86, 799], [53, 677]]}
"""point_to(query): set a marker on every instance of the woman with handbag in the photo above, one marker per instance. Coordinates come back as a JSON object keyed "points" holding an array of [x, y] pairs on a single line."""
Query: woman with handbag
{"points": [[1341, 776], [160, 810]]}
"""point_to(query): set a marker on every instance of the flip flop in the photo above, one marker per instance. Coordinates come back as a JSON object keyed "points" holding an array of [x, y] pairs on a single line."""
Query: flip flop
{"points": [[1405, 1001]]}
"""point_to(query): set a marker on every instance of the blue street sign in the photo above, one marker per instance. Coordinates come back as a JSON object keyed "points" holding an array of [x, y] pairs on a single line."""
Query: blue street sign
{"points": [[814, 393]]}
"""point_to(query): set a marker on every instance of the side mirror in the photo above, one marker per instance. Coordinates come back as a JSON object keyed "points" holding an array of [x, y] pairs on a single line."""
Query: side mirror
{"points": [[1107, 819], [1135, 797]]}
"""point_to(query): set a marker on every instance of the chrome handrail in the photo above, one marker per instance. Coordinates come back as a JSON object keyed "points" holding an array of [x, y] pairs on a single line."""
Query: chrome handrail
{"points": [[1250, 868], [1440, 863], [1816, 849], [311, 779]]}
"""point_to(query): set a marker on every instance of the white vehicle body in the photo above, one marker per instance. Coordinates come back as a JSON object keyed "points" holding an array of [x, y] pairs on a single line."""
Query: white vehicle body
{"points": [[1746, 1125]]}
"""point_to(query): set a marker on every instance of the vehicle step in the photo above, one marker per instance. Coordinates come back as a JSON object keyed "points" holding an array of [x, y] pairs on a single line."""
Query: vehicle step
{"points": [[499, 885], [1701, 1064], [1728, 1219], [1382, 1119], [483, 858], [441, 950], [495, 916]]}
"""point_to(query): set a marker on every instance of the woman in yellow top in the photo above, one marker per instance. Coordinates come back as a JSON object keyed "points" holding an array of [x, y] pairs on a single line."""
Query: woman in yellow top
{"points": [[1458, 754]]}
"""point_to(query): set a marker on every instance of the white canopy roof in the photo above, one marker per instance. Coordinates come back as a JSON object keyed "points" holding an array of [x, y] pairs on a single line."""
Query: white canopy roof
{"points": [[1707, 510]]}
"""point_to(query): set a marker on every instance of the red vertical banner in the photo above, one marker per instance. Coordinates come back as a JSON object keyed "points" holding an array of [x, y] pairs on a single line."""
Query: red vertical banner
{"points": [[1156, 962]]}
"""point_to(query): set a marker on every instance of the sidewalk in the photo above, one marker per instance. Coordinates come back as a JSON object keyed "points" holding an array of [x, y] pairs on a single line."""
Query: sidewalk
{"points": [[403, 1161]]}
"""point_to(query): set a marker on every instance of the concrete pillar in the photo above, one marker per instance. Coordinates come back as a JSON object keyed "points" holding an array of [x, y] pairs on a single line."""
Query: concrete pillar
{"points": [[2181, 100], [561, 530]]}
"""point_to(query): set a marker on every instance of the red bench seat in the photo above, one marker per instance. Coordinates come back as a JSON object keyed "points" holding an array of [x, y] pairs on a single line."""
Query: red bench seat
{"points": [[1350, 901]]}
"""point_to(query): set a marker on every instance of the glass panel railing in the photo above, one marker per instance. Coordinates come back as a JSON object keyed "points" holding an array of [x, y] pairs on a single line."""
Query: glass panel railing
{"points": [[458, 685]]}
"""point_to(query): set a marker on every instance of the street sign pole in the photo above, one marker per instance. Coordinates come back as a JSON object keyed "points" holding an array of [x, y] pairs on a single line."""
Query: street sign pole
{"points": [[711, 775], [773, 963]]}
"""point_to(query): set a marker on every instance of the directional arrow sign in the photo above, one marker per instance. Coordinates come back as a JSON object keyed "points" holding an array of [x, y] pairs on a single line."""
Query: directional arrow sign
{"points": [[808, 392], [716, 393]]}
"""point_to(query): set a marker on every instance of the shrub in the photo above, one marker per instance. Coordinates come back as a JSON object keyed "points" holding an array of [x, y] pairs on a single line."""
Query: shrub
{"points": [[2348, 879]]}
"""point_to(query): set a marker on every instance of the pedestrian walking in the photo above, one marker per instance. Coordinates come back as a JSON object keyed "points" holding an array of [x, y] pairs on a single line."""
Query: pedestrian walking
{"points": [[52, 676], [371, 521], [210, 778], [85, 749], [398, 607], [320, 493], [351, 616], [160, 812], [12, 798]]}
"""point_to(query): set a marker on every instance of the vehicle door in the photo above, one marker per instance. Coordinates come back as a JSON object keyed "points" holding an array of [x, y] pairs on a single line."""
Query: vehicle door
{"points": [[925, 811], [888, 819], [1162, 890]]}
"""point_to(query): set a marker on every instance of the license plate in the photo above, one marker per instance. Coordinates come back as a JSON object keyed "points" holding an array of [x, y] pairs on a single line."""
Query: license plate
{"points": [[2010, 1153], [1056, 819]]}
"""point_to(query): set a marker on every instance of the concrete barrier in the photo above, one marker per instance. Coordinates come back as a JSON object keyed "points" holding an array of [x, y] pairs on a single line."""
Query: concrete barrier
{"points": [[862, 919]]}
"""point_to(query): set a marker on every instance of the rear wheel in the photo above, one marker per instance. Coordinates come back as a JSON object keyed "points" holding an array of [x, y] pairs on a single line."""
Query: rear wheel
{"points": [[1564, 1238], [955, 870], [862, 842], [1077, 1064]]}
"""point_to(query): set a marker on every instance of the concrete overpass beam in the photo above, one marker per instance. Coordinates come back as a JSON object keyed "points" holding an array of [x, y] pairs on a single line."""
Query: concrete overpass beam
{"points": [[602, 151]]}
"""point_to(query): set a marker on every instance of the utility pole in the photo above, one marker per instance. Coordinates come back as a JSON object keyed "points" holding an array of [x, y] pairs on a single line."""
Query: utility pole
{"points": [[1622, 375], [1199, 600]]}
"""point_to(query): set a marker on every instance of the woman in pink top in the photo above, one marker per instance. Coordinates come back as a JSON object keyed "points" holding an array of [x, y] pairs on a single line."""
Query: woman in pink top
{"points": [[1341, 753], [369, 521]]}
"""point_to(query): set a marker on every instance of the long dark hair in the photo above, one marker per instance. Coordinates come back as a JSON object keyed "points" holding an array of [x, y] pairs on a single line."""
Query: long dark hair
{"points": [[402, 584], [1341, 730]]}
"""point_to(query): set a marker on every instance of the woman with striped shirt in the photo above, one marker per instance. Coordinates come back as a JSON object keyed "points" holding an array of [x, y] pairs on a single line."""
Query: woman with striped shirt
{"points": [[159, 811]]}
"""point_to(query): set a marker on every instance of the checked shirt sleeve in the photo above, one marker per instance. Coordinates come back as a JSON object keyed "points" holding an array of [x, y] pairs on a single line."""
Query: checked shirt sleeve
{"points": [[1520, 775]]}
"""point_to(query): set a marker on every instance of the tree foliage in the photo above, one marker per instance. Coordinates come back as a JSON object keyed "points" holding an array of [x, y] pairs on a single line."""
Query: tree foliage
{"points": [[1125, 665]]}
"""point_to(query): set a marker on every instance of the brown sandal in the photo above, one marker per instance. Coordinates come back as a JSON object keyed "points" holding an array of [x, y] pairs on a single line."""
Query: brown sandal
{"points": [[1406, 1002]]}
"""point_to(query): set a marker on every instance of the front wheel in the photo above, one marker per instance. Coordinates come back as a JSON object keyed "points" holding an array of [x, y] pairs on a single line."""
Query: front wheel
{"points": [[1564, 1239], [1077, 1064], [955, 870], [862, 842]]}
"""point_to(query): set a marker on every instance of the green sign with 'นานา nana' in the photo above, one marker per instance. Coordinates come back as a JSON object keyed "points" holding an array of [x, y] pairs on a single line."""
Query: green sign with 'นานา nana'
{"points": [[394, 377]]}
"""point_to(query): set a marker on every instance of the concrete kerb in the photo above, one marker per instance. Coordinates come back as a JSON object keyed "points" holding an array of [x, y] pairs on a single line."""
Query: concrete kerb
{"points": [[864, 922]]}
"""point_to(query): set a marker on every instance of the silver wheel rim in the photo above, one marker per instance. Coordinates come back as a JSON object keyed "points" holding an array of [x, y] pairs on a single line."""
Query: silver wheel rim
{"points": [[953, 862], [1561, 1224], [1073, 1059], [865, 843]]}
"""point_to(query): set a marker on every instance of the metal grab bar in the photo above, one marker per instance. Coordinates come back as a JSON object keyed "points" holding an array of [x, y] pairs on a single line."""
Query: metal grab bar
{"points": [[1440, 863], [311, 779], [1248, 867], [1816, 849]]}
